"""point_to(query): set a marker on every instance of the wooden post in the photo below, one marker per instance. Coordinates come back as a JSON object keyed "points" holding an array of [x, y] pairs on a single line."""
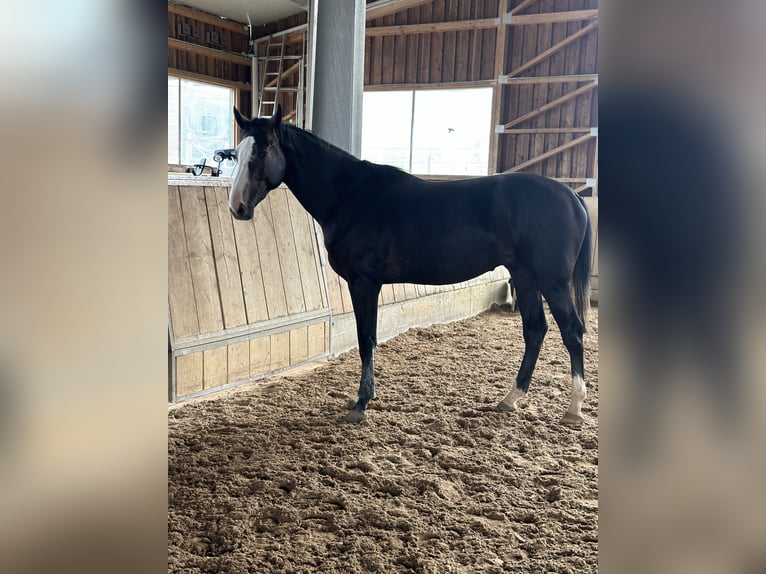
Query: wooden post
{"points": [[497, 92]]}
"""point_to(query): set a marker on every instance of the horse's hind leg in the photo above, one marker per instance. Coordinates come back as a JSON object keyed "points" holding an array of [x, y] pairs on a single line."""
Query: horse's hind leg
{"points": [[534, 327], [562, 307], [364, 297]]}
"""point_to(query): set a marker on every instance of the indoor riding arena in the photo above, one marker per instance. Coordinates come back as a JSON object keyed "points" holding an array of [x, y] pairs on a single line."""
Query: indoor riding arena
{"points": [[450, 467]]}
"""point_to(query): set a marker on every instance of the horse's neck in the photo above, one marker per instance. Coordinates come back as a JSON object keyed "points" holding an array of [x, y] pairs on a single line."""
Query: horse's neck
{"points": [[316, 174]]}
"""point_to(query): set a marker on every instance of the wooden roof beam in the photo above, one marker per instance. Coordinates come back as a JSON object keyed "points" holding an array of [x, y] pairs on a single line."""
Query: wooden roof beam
{"points": [[549, 17], [549, 153], [557, 102], [479, 24], [388, 7], [549, 79], [209, 52], [187, 12], [555, 48]]}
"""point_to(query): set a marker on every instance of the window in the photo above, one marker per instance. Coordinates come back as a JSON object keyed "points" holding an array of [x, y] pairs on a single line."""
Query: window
{"points": [[200, 121], [429, 132]]}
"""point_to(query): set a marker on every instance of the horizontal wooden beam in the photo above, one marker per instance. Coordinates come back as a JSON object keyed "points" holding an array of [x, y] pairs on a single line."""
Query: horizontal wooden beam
{"points": [[209, 52], [178, 73], [187, 12], [426, 86], [405, 29], [388, 7], [547, 131], [555, 48], [549, 17], [194, 343], [549, 153], [557, 102], [293, 34], [549, 79]]}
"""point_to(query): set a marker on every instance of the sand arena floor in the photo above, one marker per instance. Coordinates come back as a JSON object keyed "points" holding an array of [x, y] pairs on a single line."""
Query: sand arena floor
{"points": [[269, 479]]}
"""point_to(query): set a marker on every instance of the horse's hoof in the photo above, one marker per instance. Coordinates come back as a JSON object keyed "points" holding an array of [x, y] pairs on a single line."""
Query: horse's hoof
{"points": [[355, 417], [572, 420], [505, 407]]}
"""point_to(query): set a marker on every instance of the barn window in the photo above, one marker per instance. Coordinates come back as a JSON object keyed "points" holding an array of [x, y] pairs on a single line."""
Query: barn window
{"points": [[199, 120], [429, 132]]}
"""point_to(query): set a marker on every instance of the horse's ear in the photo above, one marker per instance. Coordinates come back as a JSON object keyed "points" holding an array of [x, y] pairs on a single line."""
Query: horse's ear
{"points": [[241, 120], [276, 119]]}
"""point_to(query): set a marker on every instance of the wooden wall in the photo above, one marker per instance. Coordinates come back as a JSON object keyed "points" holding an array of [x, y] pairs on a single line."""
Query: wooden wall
{"points": [[580, 57], [194, 58], [436, 57], [245, 297]]}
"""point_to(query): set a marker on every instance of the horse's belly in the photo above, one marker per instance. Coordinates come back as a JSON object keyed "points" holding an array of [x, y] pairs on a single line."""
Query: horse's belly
{"points": [[441, 267]]}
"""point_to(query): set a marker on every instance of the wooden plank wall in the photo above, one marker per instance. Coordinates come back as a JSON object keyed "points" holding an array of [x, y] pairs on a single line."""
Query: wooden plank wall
{"points": [[228, 279], [209, 66], [579, 57], [436, 57]]}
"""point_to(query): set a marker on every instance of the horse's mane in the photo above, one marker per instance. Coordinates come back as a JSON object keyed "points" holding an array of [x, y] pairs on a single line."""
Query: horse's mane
{"points": [[294, 136]]}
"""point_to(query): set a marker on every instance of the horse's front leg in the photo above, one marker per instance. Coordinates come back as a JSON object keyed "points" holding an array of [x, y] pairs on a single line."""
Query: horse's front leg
{"points": [[364, 296]]}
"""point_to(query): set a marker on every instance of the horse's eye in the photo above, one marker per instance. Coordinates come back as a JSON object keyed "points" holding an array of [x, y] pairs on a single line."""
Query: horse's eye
{"points": [[261, 153]]}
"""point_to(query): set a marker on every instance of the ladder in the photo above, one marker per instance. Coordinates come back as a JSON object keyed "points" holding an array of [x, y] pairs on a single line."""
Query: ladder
{"points": [[278, 64], [271, 80]]}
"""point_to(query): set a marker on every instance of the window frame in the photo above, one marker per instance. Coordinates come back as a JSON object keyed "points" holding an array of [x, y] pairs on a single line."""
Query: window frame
{"points": [[413, 89], [203, 79]]}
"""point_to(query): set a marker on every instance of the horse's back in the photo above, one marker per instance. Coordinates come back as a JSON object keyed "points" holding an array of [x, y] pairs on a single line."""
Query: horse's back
{"points": [[446, 232]]}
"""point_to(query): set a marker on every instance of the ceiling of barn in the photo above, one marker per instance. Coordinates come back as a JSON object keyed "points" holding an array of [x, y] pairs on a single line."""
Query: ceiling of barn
{"points": [[258, 11]]}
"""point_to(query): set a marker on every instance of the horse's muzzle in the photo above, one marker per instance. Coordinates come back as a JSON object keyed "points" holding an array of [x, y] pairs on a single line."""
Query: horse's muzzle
{"points": [[241, 212]]}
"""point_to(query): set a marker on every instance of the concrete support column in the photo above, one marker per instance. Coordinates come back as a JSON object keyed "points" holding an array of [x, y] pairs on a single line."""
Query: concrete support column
{"points": [[336, 55]]}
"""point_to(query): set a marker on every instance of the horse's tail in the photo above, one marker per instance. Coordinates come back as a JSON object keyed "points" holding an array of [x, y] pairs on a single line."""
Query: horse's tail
{"points": [[581, 273]]}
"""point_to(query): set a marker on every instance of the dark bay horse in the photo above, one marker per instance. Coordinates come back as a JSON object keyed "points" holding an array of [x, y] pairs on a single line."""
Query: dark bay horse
{"points": [[382, 225]]}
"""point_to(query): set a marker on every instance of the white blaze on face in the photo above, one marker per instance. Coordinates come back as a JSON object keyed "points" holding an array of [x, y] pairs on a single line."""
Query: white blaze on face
{"points": [[244, 151]]}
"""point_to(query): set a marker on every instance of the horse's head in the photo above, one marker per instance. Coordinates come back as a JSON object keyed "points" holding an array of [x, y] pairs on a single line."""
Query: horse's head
{"points": [[260, 163]]}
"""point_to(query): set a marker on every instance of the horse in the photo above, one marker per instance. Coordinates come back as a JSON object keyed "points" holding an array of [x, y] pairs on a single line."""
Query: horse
{"points": [[382, 225]]}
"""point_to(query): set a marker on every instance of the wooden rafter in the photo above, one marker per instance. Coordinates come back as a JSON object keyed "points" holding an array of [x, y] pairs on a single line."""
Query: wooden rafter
{"points": [[550, 152], [552, 104], [549, 79], [555, 48], [209, 52], [518, 131], [187, 12], [550, 17], [388, 7], [403, 29]]}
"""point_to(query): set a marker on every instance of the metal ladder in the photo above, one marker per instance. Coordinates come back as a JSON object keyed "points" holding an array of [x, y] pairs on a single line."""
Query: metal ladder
{"points": [[271, 81]]}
